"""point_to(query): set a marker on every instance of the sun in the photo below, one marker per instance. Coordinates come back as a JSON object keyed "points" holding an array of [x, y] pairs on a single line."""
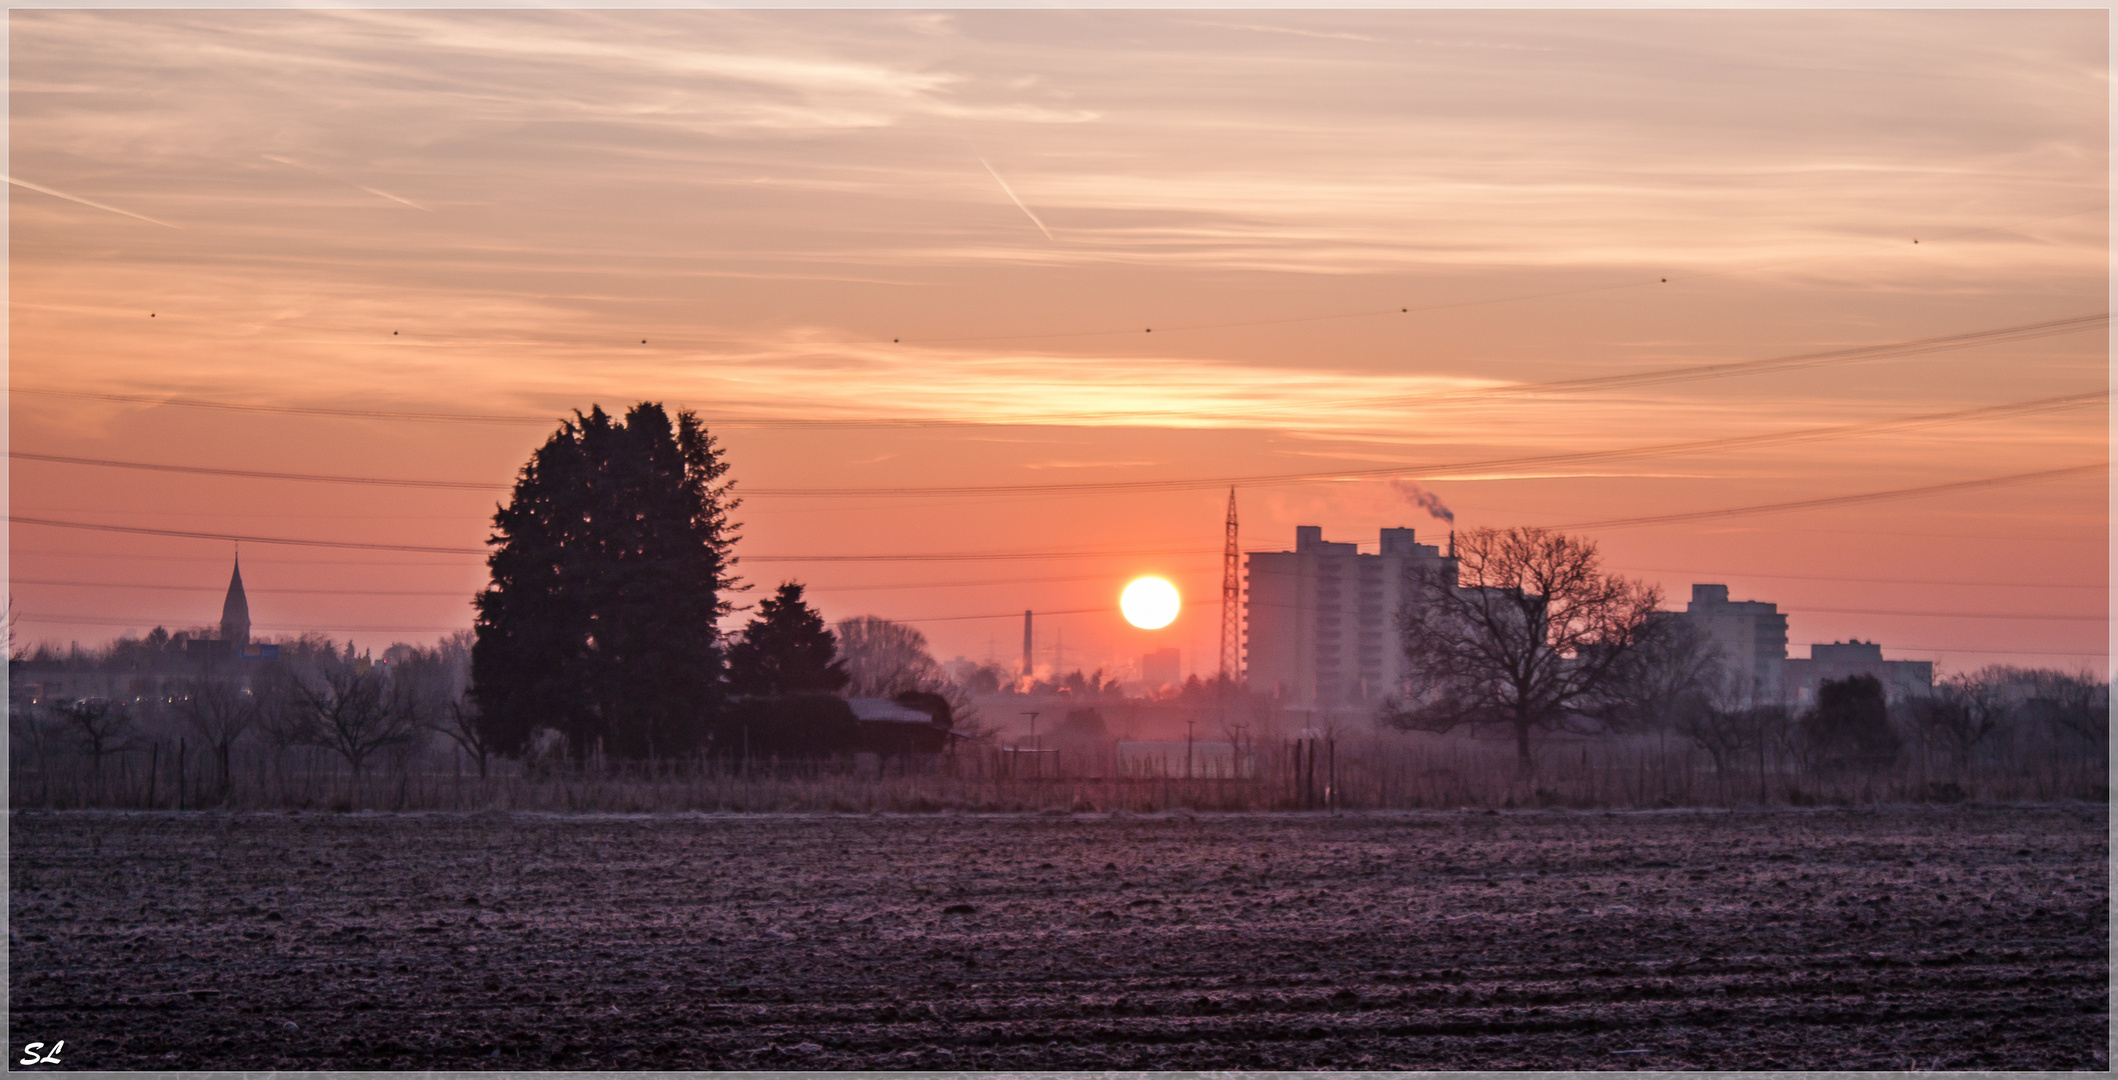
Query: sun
{"points": [[1150, 603]]}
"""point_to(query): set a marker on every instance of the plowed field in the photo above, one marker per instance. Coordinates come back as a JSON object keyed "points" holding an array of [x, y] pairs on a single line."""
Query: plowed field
{"points": [[1897, 938]]}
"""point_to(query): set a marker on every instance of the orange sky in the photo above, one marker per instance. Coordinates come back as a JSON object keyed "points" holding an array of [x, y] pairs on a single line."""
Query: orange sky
{"points": [[925, 250]]}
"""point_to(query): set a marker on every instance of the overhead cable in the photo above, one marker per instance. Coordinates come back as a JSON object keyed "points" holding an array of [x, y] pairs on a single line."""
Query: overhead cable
{"points": [[2031, 407]]}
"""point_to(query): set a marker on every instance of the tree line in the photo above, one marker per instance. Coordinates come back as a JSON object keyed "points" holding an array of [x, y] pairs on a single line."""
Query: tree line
{"points": [[1528, 635], [613, 563]]}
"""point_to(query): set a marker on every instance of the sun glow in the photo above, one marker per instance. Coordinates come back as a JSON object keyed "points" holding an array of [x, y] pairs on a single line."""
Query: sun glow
{"points": [[1150, 603]]}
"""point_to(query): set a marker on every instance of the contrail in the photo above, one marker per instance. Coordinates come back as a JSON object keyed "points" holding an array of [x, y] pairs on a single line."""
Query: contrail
{"points": [[343, 180], [1018, 202], [88, 202]]}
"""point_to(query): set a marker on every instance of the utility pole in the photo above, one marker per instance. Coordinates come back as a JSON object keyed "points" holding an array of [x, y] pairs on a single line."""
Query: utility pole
{"points": [[1036, 760]]}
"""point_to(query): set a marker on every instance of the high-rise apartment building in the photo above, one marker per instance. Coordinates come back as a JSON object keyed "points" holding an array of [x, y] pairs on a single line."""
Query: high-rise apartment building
{"points": [[1320, 622], [1752, 635]]}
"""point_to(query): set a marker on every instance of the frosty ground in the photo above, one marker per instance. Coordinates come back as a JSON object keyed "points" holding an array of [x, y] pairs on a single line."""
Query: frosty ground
{"points": [[1923, 937]]}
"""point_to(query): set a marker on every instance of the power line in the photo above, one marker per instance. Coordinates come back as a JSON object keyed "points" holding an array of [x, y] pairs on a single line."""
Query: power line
{"points": [[827, 590], [2104, 618], [1865, 580], [1989, 652], [248, 588], [1849, 500], [1799, 435], [262, 560], [818, 587], [293, 410], [1685, 373], [957, 556], [1615, 523], [973, 556], [1944, 343], [143, 530], [96, 620], [259, 474]]}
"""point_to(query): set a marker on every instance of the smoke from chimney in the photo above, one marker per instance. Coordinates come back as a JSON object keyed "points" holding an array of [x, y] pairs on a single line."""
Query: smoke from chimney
{"points": [[1424, 499]]}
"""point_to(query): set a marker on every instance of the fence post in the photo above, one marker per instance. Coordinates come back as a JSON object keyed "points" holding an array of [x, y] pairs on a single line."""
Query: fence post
{"points": [[180, 774], [1331, 774], [154, 765]]}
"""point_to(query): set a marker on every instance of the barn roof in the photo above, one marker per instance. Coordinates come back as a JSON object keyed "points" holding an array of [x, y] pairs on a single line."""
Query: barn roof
{"points": [[875, 710]]}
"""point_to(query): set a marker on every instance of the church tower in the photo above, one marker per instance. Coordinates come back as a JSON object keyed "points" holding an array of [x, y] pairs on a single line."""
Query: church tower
{"points": [[235, 612]]}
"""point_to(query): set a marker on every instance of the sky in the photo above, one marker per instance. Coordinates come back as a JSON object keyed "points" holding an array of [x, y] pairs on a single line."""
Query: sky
{"points": [[989, 309]]}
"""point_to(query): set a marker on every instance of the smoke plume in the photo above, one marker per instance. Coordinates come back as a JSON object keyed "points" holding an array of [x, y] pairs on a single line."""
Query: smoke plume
{"points": [[1424, 499]]}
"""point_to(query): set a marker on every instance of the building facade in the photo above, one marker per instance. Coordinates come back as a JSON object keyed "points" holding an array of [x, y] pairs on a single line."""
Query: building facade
{"points": [[1321, 621], [1752, 636], [1844, 659], [1160, 668]]}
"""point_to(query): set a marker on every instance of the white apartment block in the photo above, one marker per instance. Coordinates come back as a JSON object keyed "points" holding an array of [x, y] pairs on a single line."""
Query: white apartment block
{"points": [[1321, 621], [1752, 635]]}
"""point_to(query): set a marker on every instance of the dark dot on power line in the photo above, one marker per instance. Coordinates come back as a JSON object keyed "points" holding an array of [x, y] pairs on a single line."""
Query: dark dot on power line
{"points": [[1404, 309], [1915, 241], [1665, 281], [151, 314], [1150, 329], [643, 341], [893, 341], [393, 333]]}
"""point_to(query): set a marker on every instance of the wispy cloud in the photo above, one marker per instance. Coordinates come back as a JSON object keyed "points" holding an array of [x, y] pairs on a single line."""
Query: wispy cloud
{"points": [[359, 187], [1293, 31], [88, 202]]}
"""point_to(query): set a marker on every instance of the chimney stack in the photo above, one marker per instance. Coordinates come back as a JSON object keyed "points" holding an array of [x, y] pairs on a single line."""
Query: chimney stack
{"points": [[1027, 670]]}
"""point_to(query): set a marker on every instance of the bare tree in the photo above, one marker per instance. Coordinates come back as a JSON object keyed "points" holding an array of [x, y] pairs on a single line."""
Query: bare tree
{"points": [[351, 708], [2074, 706], [1679, 681], [221, 709], [1677, 670], [1525, 633], [1963, 712], [883, 658], [102, 728], [438, 679]]}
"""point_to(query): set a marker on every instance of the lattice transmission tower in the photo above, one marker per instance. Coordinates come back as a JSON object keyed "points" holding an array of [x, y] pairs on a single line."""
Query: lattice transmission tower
{"points": [[1231, 603]]}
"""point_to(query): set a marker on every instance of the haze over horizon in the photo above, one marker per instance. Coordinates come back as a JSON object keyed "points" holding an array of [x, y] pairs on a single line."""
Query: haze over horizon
{"points": [[992, 289]]}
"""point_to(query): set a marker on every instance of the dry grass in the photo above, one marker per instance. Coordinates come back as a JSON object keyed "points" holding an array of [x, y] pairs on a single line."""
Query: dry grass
{"points": [[1365, 772]]}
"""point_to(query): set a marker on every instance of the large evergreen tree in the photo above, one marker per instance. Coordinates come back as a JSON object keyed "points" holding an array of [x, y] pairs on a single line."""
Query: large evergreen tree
{"points": [[610, 568], [786, 649]]}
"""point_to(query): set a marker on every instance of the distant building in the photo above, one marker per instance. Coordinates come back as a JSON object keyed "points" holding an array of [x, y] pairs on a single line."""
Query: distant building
{"points": [[235, 612], [901, 725], [1752, 636], [234, 641], [1321, 621], [1843, 659], [1162, 667]]}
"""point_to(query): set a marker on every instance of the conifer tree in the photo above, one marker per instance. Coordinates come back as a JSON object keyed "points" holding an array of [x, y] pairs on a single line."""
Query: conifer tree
{"points": [[786, 649], [610, 569]]}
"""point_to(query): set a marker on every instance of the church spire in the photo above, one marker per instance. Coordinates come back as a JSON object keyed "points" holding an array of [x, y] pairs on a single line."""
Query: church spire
{"points": [[235, 611]]}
